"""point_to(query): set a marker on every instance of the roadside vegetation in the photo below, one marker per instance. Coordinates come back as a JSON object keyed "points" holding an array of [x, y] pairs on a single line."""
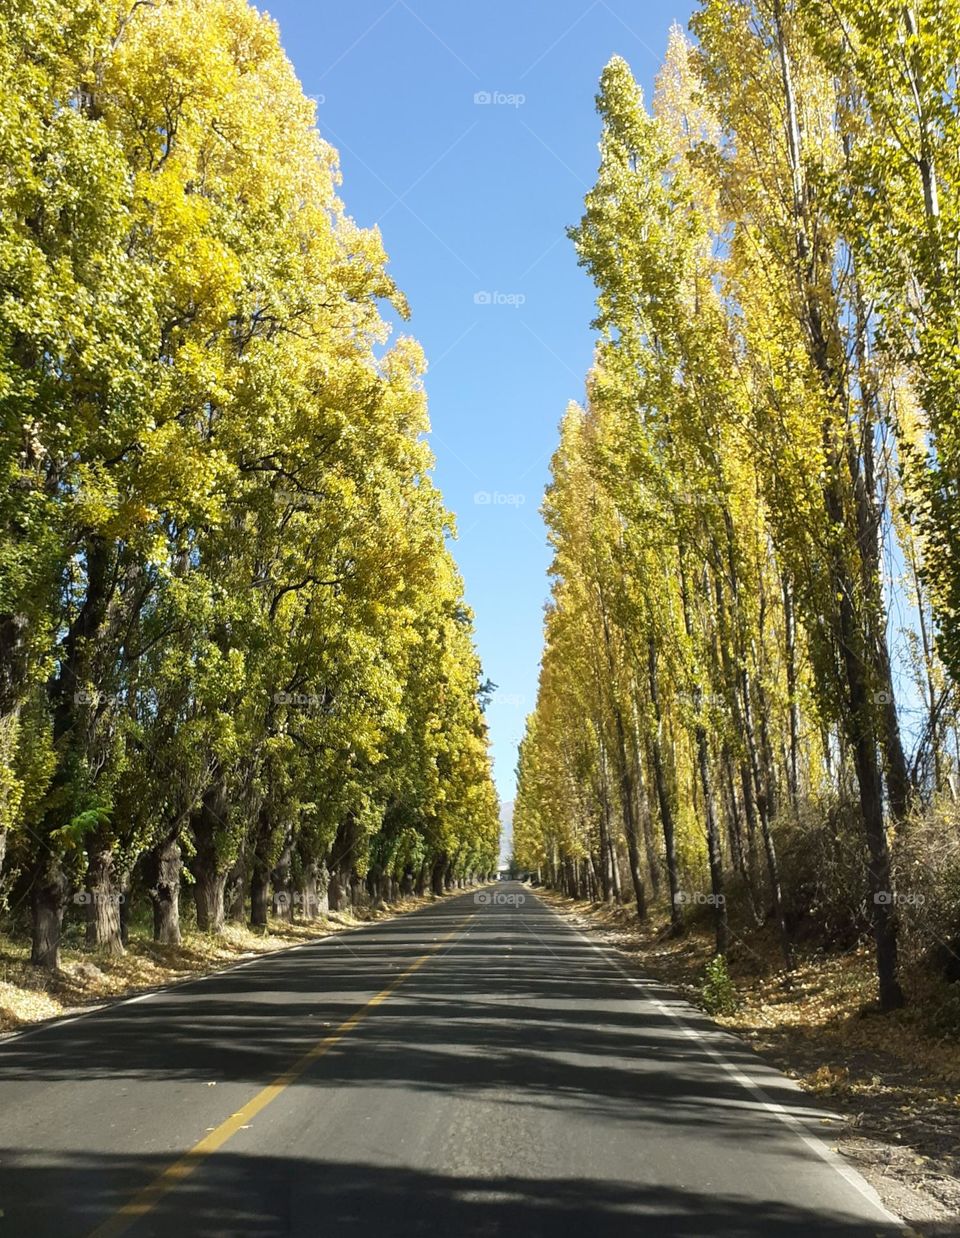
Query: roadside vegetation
{"points": [[236, 665], [748, 698], [745, 749]]}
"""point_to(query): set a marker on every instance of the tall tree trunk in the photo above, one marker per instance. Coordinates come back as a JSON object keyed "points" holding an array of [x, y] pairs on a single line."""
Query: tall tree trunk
{"points": [[69, 738], [663, 794], [606, 851], [790, 651], [643, 800], [733, 813], [853, 636], [714, 854], [628, 807]]}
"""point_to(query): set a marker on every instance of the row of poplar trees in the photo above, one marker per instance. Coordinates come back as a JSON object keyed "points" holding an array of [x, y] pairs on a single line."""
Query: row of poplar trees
{"points": [[234, 649], [747, 694]]}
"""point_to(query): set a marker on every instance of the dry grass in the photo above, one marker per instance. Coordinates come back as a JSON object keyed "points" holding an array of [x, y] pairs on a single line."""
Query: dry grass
{"points": [[31, 995]]}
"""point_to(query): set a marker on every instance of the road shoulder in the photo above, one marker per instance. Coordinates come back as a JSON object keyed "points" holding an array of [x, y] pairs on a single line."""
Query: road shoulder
{"points": [[905, 1144]]}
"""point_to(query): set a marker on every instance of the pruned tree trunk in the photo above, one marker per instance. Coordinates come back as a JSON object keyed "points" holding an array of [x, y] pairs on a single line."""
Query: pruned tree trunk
{"points": [[208, 867], [163, 885], [103, 906], [48, 899]]}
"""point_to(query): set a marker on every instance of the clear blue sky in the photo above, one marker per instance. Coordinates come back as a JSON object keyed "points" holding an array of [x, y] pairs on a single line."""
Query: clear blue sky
{"points": [[473, 198]]}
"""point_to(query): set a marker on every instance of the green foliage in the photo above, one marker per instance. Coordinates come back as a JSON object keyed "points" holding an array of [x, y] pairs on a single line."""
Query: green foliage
{"points": [[768, 427], [718, 993], [227, 604]]}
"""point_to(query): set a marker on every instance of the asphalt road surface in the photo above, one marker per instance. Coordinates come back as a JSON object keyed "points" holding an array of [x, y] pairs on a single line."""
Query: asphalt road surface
{"points": [[471, 1069]]}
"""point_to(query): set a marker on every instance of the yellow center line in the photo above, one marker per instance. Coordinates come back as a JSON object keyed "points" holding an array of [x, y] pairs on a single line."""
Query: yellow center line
{"points": [[174, 1174]]}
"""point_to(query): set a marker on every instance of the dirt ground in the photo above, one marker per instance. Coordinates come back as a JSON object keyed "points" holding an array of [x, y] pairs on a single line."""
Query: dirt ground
{"points": [[894, 1080]]}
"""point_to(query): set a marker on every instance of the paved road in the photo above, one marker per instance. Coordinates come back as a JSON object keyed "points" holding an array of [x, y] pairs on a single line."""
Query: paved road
{"points": [[466, 1070]]}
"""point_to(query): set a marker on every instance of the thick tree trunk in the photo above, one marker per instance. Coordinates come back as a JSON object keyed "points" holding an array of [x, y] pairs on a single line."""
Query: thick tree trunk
{"points": [[103, 908], [335, 896], [375, 885], [282, 880], [48, 898], [310, 893], [208, 892], [208, 868], [259, 896], [125, 888], [163, 881], [235, 893]]}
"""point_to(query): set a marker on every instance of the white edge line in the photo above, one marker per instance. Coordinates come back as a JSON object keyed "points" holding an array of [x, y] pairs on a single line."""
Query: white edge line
{"points": [[816, 1145]]}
